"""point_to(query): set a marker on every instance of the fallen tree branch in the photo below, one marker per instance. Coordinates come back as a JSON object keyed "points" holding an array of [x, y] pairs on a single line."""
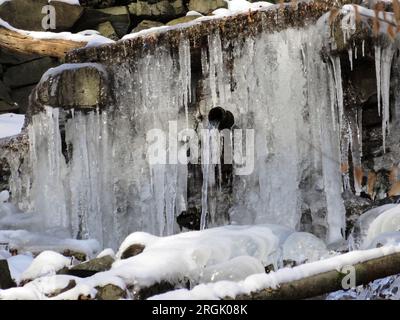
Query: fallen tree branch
{"points": [[24, 43], [330, 281]]}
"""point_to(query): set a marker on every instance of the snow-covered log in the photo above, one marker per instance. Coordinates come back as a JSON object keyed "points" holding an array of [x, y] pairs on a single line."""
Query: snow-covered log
{"points": [[304, 281], [46, 43], [26, 44], [330, 281]]}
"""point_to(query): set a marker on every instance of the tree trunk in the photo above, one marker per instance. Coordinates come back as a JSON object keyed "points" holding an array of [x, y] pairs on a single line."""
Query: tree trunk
{"points": [[24, 43], [330, 281]]}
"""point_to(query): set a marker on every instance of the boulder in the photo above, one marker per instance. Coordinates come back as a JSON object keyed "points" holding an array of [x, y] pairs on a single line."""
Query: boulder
{"points": [[21, 97], [92, 267], [101, 3], [132, 251], [73, 86], [206, 6], [71, 284], [6, 102], [119, 18], [27, 14], [80, 256], [5, 93], [146, 24], [110, 292], [107, 30], [12, 58], [28, 73], [182, 20], [6, 281], [163, 10]]}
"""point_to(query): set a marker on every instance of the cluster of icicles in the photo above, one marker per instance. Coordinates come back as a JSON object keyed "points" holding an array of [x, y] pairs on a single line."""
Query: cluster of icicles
{"points": [[351, 129]]}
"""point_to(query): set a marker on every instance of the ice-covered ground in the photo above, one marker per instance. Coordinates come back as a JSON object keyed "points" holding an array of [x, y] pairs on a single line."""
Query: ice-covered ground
{"points": [[217, 262], [11, 124]]}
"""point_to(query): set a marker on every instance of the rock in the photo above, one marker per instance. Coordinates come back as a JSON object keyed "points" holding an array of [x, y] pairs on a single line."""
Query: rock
{"points": [[118, 17], [189, 219], [6, 281], [110, 292], [107, 30], [66, 15], [6, 102], [147, 24], [21, 97], [5, 173], [28, 73], [75, 254], [12, 58], [71, 284], [132, 251], [5, 107], [206, 6], [99, 3], [164, 10], [182, 20], [91, 267], [157, 288], [27, 14], [82, 87]]}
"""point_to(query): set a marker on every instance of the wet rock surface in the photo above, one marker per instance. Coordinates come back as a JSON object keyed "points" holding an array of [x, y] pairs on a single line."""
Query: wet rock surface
{"points": [[6, 281]]}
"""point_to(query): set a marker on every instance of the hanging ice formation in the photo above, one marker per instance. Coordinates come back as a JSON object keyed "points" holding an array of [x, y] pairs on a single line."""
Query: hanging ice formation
{"points": [[96, 181]]}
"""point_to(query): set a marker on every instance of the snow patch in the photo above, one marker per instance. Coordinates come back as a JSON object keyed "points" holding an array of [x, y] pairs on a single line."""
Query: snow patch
{"points": [[11, 124]]}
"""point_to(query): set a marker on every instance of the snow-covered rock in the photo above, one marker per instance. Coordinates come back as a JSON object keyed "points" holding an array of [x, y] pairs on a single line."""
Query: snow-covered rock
{"points": [[45, 264]]}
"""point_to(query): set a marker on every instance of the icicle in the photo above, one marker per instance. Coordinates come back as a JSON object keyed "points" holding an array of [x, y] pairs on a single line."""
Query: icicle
{"points": [[205, 159], [337, 72], [378, 76], [363, 48], [350, 53], [356, 148], [385, 68], [185, 75], [355, 52]]}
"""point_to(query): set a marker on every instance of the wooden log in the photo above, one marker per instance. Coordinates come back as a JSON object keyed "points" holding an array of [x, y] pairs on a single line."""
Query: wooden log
{"points": [[24, 43], [329, 281]]}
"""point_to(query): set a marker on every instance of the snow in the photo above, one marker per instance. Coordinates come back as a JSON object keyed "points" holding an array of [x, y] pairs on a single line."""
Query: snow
{"points": [[107, 252], [218, 290], [52, 72], [18, 265], [388, 221], [11, 124], [46, 263], [235, 6], [357, 238], [187, 254], [4, 196], [71, 2], [304, 247], [193, 13], [235, 269], [25, 241]]}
